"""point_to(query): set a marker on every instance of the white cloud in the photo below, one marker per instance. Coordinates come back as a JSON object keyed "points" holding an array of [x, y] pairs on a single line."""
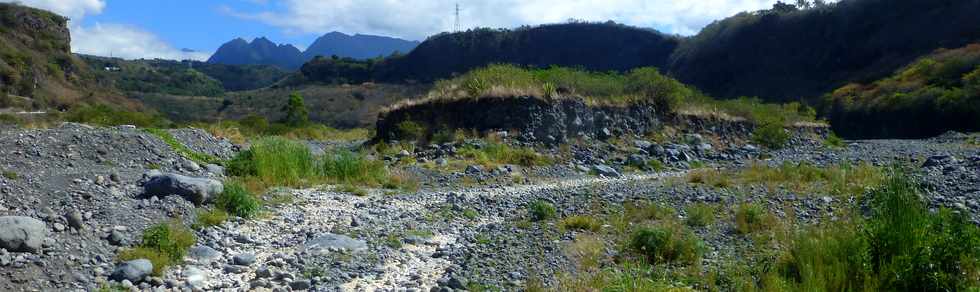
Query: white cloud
{"points": [[126, 42], [417, 19], [74, 9], [109, 39]]}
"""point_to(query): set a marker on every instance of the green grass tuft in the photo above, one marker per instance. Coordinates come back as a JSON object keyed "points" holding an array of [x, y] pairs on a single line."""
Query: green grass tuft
{"points": [[209, 218], [541, 210], [238, 201], [750, 218], [666, 244], [583, 223], [701, 214], [162, 244]]}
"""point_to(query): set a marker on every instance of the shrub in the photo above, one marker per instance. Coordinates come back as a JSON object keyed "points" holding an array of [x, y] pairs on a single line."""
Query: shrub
{"points": [[410, 130], [238, 201], [700, 214], [541, 210], [915, 250], [666, 244], [771, 135], [296, 113], [640, 211], [834, 141], [105, 115], [584, 223], [209, 218], [750, 218]]}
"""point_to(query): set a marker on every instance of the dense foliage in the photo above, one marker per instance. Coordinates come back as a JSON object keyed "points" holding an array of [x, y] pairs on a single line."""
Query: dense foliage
{"points": [[785, 53], [592, 46], [936, 93]]}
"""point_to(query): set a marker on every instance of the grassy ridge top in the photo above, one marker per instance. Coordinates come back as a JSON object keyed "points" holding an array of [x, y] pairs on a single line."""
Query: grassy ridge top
{"points": [[638, 86]]}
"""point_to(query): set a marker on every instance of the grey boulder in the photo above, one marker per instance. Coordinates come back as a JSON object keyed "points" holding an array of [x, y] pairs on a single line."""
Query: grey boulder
{"points": [[196, 190], [134, 270], [22, 234], [605, 170]]}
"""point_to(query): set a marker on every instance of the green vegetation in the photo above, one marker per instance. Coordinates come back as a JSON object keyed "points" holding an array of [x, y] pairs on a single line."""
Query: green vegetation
{"points": [[541, 210], [771, 135], [666, 244], [163, 244], [296, 113], [410, 130], [936, 93], [901, 247], [238, 201], [700, 214], [497, 153], [178, 147], [834, 141], [642, 211], [750, 218], [9, 174], [580, 223], [209, 218], [276, 161], [839, 179], [105, 115]]}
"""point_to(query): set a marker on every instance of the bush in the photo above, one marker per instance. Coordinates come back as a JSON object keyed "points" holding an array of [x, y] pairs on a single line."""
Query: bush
{"points": [[296, 113], [159, 259], [238, 201], [542, 210], [666, 244], [915, 250], [750, 218], [584, 223], [410, 130], [700, 214], [771, 135]]}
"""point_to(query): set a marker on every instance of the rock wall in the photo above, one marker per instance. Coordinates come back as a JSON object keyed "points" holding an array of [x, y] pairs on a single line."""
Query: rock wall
{"points": [[556, 121], [532, 119]]}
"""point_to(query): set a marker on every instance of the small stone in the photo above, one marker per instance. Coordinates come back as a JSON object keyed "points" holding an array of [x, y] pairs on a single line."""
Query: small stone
{"points": [[300, 284], [474, 169], [116, 238]]}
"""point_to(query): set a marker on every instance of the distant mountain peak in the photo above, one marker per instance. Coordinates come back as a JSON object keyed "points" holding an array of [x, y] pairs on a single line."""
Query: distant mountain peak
{"points": [[261, 50]]}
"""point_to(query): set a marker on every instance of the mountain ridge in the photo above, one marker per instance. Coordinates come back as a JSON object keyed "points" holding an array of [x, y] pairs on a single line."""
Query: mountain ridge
{"points": [[262, 51]]}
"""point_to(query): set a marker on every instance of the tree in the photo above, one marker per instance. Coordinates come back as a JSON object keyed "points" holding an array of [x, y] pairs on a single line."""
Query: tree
{"points": [[296, 113], [803, 4]]}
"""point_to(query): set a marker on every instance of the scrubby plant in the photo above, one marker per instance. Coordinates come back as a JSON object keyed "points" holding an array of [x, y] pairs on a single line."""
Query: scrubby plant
{"points": [[410, 130], [666, 244], [162, 244], [496, 153], [238, 201], [579, 222], [296, 113], [750, 218], [834, 141], [700, 214], [276, 161], [641, 211], [771, 135], [209, 218], [541, 210]]}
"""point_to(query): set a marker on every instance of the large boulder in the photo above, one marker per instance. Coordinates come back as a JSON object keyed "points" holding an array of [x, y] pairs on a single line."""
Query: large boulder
{"points": [[22, 234], [134, 270], [196, 190]]}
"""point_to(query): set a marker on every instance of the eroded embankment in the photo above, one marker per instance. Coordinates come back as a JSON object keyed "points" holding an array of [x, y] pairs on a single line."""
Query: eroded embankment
{"points": [[553, 120]]}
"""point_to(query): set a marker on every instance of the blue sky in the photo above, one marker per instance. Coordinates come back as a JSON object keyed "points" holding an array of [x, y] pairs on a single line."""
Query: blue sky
{"points": [[160, 28]]}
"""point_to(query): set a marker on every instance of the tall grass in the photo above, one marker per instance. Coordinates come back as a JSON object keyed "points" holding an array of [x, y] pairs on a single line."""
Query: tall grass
{"points": [[277, 161]]}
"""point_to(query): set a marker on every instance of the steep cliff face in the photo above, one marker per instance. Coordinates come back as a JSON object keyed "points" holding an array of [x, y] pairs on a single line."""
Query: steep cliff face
{"points": [[37, 68]]}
